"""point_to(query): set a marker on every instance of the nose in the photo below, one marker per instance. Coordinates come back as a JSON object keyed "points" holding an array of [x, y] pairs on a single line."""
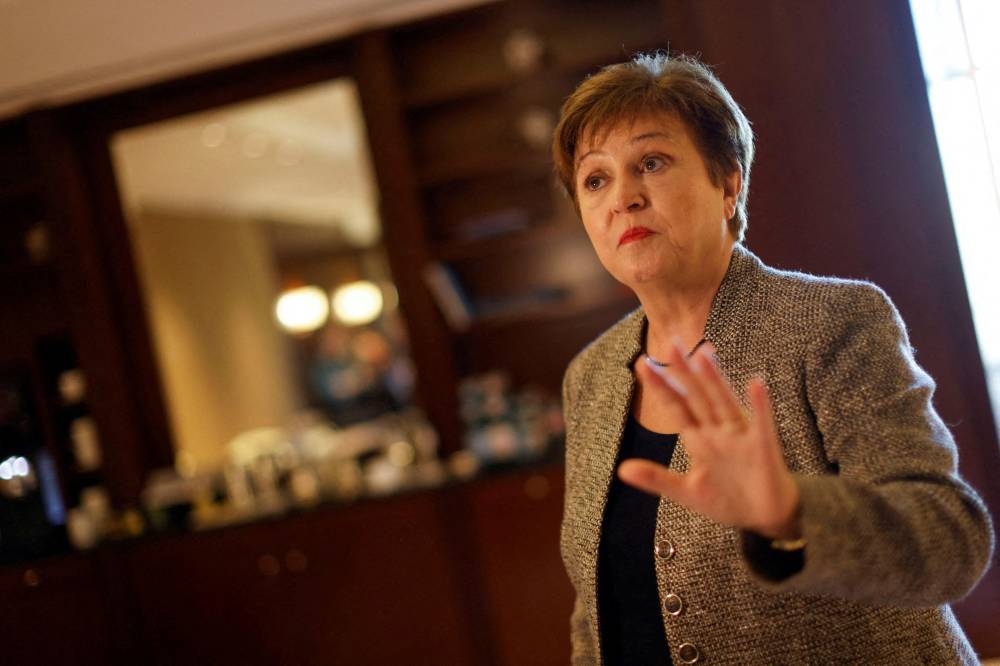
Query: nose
{"points": [[629, 196]]}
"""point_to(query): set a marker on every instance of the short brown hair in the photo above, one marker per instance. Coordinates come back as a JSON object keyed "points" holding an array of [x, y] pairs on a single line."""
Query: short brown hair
{"points": [[659, 82]]}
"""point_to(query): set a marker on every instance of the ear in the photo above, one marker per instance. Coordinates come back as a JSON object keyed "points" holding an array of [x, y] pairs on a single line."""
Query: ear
{"points": [[732, 185]]}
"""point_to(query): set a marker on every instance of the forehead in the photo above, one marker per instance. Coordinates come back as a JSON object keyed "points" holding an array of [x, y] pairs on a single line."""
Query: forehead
{"points": [[628, 129], [596, 140]]}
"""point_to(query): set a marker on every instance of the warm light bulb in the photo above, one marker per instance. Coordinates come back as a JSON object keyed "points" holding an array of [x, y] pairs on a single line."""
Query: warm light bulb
{"points": [[357, 303], [302, 310]]}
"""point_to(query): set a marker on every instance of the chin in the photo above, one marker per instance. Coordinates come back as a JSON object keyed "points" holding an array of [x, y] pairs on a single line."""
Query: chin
{"points": [[638, 277]]}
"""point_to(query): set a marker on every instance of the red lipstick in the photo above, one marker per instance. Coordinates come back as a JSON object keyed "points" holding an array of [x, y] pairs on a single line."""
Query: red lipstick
{"points": [[634, 234]]}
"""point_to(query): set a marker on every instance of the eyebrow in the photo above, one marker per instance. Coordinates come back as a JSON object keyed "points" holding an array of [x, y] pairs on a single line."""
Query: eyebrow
{"points": [[636, 139]]}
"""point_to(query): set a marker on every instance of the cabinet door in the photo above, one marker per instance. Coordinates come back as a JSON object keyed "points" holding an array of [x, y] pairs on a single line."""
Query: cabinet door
{"points": [[210, 598], [377, 584], [515, 522], [53, 613], [371, 583]]}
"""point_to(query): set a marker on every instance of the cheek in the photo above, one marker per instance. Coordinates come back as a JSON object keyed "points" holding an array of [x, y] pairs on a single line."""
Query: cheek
{"points": [[596, 241], [682, 201], [592, 223], [600, 241], [688, 209], [588, 202]]}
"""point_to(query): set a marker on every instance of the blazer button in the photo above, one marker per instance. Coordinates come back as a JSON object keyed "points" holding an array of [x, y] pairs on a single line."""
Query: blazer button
{"points": [[688, 653], [664, 549], [673, 604]]}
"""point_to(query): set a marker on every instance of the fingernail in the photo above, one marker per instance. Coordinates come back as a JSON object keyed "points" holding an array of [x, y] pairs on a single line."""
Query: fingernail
{"points": [[674, 384], [700, 363]]}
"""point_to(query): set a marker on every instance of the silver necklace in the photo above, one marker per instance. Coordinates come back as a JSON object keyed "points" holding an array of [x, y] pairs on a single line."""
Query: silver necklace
{"points": [[661, 364]]}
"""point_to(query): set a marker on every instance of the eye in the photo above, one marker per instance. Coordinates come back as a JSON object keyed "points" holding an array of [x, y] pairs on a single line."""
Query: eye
{"points": [[593, 183], [652, 163]]}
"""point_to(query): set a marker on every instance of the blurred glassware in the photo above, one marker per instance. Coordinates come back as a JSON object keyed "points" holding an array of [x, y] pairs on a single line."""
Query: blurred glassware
{"points": [[86, 445], [80, 529], [72, 386]]}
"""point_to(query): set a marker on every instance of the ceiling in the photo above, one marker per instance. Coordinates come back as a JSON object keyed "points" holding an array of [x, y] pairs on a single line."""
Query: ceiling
{"points": [[56, 51]]}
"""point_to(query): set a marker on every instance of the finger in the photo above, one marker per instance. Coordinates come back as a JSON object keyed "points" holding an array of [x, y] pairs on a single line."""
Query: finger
{"points": [[670, 394], [763, 412], [697, 401], [725, 404], [652, 478]]}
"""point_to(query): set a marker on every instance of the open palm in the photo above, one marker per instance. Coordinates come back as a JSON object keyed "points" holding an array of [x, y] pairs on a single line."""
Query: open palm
{"points": [[737, 474]]}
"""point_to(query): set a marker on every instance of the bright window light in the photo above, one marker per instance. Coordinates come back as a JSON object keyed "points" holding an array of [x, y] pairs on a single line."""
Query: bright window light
{"points": [[961, 61]]}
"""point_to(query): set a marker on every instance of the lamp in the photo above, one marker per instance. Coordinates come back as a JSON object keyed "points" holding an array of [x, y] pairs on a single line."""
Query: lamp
{"points": [[302, 309], [357, 303]]}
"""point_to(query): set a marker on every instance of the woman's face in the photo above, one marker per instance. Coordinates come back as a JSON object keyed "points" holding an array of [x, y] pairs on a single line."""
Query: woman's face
{"points": [[650, 207]]}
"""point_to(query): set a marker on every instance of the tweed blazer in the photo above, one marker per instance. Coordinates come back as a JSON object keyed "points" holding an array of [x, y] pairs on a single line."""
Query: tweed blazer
{"points": [[893, 533]]}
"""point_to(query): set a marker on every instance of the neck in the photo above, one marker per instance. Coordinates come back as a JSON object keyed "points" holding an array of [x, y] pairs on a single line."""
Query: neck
{"points": [[676, 317], [679, 312]]}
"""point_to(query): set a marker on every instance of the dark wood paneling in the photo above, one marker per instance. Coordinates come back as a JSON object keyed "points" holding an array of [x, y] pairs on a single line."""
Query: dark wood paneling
{"points": [[89, 291], [406, 236]]}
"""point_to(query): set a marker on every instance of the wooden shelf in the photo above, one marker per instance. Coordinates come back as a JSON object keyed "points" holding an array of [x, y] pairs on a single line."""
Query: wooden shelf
{"points": [[424, 99], [512, 270], [468, 167], [502, 243], [564, 54], [576, 305]]}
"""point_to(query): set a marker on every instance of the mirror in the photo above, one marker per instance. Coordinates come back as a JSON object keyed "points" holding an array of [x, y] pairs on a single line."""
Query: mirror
{"points": [[256, 236]]}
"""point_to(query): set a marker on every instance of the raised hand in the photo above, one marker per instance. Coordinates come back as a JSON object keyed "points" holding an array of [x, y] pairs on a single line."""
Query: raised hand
{"points": [[737, 475]]}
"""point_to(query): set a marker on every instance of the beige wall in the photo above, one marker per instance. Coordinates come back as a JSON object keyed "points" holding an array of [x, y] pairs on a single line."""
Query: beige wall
{"points": [[210, 287]]}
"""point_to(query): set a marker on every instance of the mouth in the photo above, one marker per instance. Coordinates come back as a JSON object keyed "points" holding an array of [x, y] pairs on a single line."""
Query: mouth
{"points": [[633, 234]]}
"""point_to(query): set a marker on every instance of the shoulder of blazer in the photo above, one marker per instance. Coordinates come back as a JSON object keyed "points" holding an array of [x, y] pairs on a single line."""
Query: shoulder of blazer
{"points": [[614, 349], [816, 308]]}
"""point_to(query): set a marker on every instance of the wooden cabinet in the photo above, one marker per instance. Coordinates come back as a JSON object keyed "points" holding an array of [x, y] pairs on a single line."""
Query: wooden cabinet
{"points": [[464, 574], [55, 612], [514, 523], [372, 583]]}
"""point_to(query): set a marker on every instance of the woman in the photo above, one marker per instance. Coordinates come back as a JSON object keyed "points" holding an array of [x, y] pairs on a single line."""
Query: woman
{"points": [[810, 510]]}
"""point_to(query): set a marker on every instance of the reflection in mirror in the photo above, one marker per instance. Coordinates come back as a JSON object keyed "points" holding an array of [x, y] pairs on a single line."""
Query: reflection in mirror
{"points": [[274, 318]]}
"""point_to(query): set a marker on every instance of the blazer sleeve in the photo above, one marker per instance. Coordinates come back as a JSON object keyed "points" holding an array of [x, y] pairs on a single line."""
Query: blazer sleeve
{"points": [[894, 524]]}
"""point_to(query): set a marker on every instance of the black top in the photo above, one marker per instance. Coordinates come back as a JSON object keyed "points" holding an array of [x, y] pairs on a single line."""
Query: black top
{"points": [[631, 624]]}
